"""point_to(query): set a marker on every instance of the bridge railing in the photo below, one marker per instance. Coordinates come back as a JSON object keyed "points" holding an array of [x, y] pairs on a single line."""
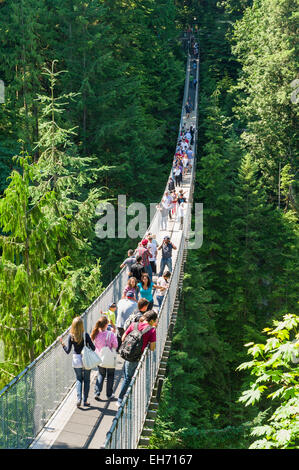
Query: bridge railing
{"points": [[129, 421], [30, 399]]}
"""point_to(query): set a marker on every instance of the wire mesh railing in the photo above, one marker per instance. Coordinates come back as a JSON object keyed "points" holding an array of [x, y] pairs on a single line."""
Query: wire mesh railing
{"points": [[30, 399]]}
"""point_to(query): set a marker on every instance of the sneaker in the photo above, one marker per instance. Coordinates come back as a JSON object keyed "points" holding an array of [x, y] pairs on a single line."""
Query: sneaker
{"points": [[111, 397], [97, 397], [78, 403], [86, 404], [118, 404]]}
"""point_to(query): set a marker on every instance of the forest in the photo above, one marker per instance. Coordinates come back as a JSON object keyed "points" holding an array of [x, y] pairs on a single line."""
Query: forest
{"points": [[93, 97]]}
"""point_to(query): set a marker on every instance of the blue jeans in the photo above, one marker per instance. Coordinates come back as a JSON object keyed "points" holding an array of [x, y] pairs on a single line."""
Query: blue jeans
{"points": [[82, 376], [129, 370], [165, 262], [149, 271], [160, 300], [100, 381]]}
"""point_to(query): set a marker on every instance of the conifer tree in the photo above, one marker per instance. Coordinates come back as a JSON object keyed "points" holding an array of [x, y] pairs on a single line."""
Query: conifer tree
{"points": [[34, 294], [64, 171], [265, 43]]}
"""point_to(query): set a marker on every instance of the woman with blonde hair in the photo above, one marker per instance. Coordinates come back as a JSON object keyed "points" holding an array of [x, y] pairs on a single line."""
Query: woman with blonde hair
{"points": [[101, 338], [131, 286], [76, 339]]}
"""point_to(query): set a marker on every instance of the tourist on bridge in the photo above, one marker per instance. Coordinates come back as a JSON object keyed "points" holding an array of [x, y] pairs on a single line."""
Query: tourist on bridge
{"points": [[102, 337], [135, 316], [171, 184], [166, 259], [110, 314], [152, 247], [137, 269], [192, 132], [124, 309], [181, 197], [129, 261], [190, 155], [174, 203], [181, 213], [185, 145], [147, 324], [131, 286], [188, 109], [185, 161], [178, 175], [162, 283], [143, 251], [145, 288], [164, 215], [188, 135], [167, 202], [76, 339]]}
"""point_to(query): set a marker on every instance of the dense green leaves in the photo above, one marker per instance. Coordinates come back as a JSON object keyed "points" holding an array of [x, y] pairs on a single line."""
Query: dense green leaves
{"points": [[245, 275], [276, 372], [92, 90]]}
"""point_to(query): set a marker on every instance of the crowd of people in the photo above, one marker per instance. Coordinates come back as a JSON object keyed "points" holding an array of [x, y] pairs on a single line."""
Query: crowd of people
{"points": [[131, 322], [174, 203]]}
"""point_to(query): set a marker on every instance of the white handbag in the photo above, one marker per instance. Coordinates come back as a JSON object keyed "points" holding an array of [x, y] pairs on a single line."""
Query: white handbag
{"points": [[107, 356], [77, 361], [90, 358]]}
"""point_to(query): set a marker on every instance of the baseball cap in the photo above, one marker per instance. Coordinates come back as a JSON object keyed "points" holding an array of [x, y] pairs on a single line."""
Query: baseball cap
{"points": [[130, 294], [144, 242], [166, 237]]}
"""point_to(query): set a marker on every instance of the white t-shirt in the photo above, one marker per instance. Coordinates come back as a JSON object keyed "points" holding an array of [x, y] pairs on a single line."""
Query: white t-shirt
{"points": [[161, 283], [152, 247], [181, 210], [167, 202]]}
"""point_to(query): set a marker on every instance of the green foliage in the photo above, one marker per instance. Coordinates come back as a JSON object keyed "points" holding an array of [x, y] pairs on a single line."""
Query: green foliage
{"points": [[265, 43], [34, 287], [92, 90], [274, 366], [247, 267]]}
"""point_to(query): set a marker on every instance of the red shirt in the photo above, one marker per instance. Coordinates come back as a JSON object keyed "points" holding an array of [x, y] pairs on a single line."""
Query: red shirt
{"points": [[149, 337], [145, 255]]}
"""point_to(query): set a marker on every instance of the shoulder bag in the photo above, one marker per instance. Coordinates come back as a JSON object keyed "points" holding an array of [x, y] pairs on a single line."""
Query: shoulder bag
{"points": [[107, 356], [90, 358]]}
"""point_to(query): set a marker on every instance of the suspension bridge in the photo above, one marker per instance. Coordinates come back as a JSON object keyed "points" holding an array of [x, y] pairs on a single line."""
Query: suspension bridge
{"points": [[38, 407]]}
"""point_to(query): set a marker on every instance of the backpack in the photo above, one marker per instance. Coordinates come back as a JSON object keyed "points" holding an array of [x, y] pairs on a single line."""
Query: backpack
{"points": [[130, 349], [134, 317]]}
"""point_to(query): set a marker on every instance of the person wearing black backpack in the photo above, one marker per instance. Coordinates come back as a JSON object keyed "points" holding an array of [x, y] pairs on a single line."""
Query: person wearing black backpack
{"points": [[134, 341]]}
